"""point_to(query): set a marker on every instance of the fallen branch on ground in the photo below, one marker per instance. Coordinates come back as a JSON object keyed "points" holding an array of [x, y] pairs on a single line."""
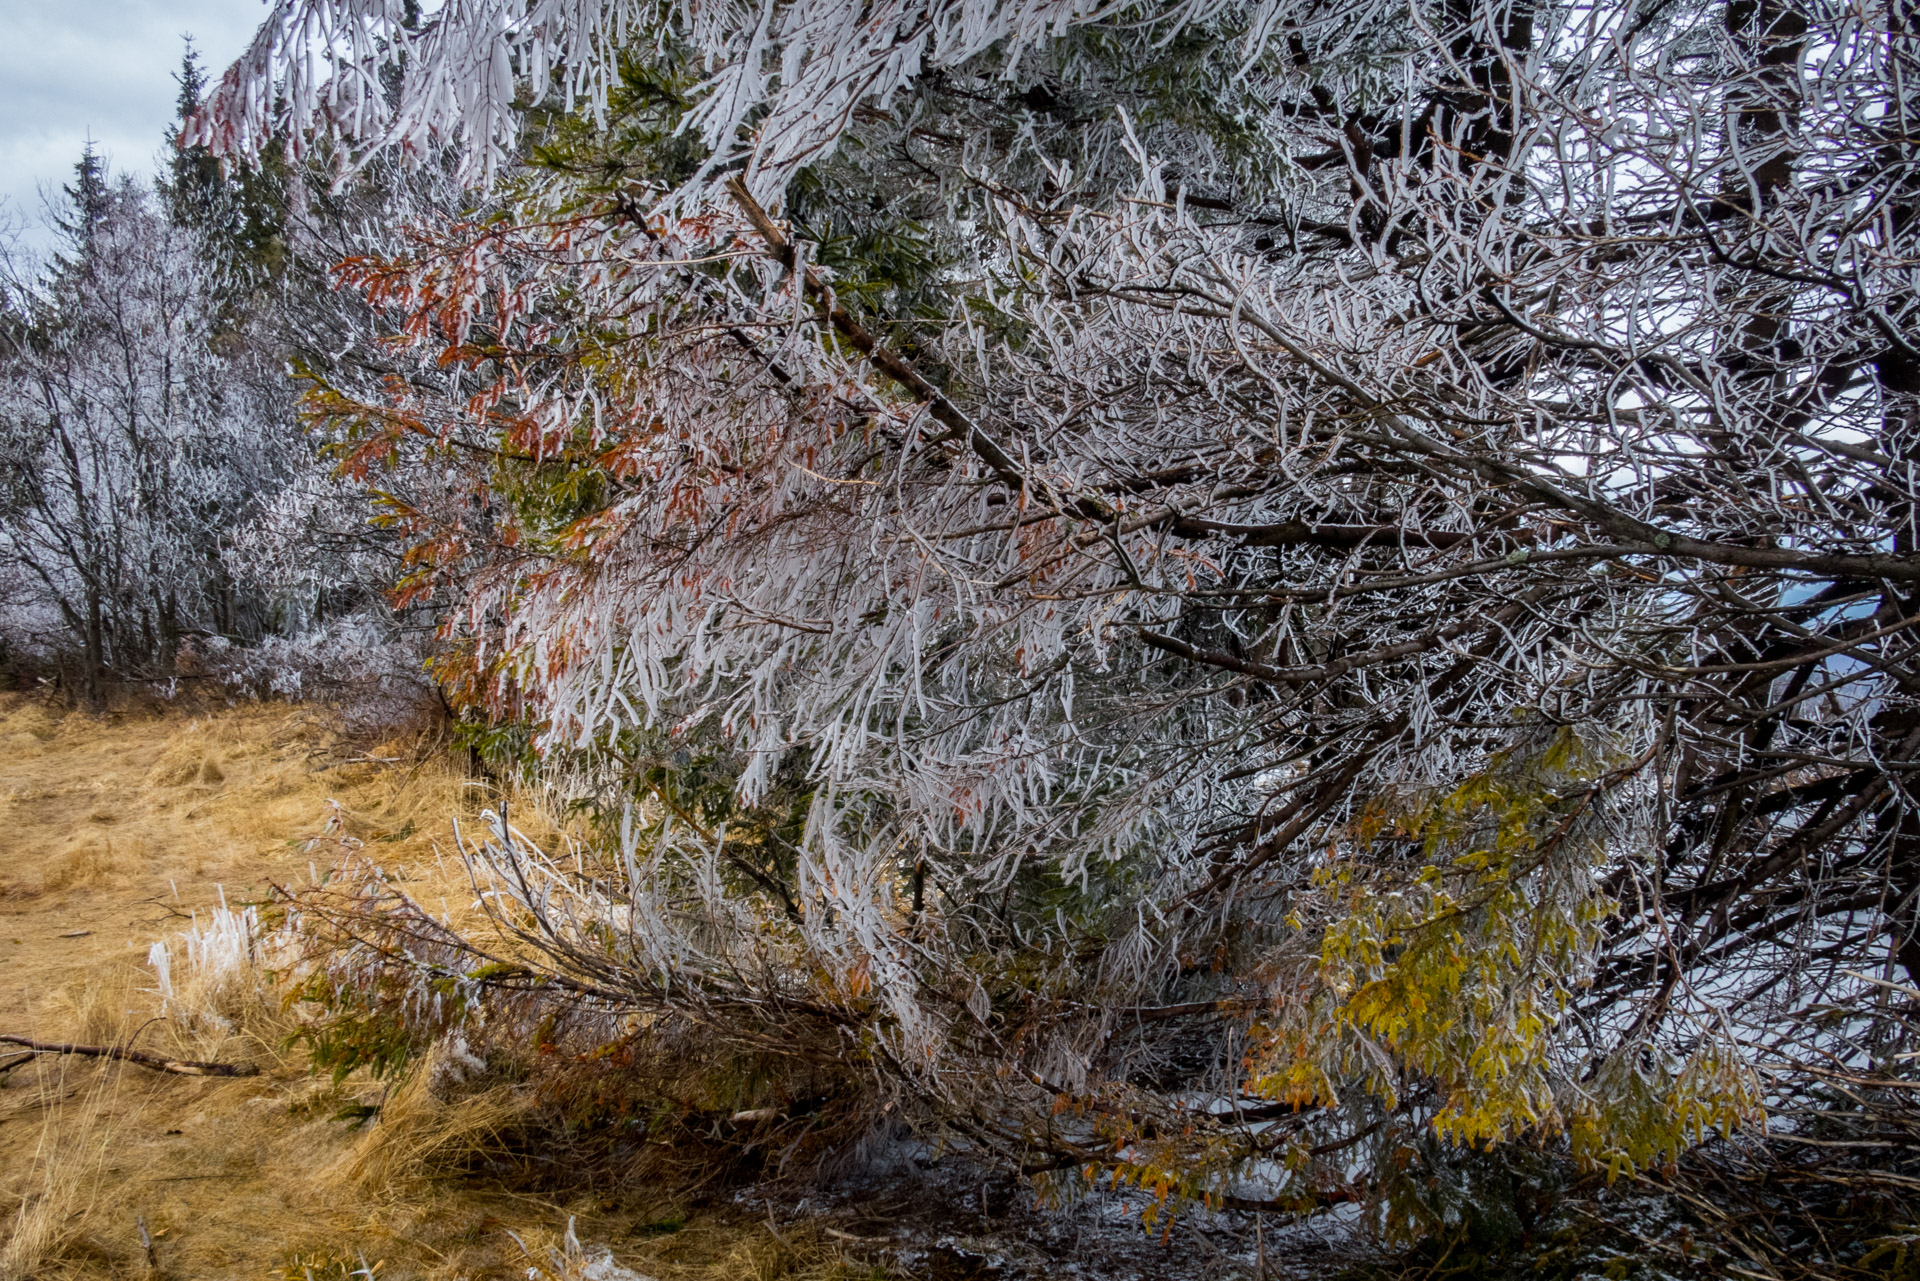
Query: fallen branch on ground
{"points": [[155, 1062]]}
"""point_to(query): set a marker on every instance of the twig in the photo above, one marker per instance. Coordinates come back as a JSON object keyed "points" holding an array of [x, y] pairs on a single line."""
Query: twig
{"points": [[785, 1244], [896, 367], [1901, 988], [179, 1067]]}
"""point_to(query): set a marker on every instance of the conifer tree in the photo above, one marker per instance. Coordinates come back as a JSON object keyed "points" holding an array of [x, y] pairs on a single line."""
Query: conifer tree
{"points": [[88, 202], [238, 206]]}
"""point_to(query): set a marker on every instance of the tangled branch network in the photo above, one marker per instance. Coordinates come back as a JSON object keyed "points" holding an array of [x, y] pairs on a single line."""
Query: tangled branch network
{"points": [[1382, 607]]}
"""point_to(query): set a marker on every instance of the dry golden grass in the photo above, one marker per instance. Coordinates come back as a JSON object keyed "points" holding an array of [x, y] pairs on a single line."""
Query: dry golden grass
{"points": [[117, 832], [120, 831], [56, 1186], [424, 1131], [101, 1005]]}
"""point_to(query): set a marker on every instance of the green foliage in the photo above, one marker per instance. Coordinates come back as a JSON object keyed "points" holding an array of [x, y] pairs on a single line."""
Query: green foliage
{"points": [[887, 262], [1464, 972], [88, 201], [664, 1226], [637, 143], [1467, 1205], [1642, 1106], [350, 1032], [1457, 946], [1192, 87], [504, 747], [357, 1114]]}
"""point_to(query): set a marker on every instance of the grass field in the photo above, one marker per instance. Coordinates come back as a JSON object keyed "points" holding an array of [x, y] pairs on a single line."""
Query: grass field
{"points": [[121, 831]]}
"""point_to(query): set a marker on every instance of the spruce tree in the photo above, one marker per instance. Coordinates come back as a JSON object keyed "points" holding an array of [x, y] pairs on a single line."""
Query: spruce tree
{"points": [[194, 188], [239, 207], [88, 201]]}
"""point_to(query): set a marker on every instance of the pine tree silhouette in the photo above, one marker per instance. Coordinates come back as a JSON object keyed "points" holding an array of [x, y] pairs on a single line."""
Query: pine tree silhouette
{"points": [[89, 200]]}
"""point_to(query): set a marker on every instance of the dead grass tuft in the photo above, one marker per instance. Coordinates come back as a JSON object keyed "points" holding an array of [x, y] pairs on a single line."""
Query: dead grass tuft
{"points": [[57, 1190], [38, 720], [217, 988], [421, 1132], [104, 1007], [90, 859], [189, 756], [113, 838]]}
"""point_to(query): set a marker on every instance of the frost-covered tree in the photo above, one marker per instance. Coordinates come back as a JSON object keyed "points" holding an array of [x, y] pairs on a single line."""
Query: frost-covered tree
{"points": [[161, 489], [238, 209], [1218, 590], [132, 445]]}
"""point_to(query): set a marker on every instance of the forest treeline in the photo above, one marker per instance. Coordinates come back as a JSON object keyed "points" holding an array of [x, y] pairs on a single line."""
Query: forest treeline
{"points": [[166, 516], [1284, 603]]}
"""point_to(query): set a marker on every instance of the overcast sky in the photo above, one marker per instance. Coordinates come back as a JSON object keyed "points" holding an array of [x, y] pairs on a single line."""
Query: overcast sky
{"points": [[73, 67]]}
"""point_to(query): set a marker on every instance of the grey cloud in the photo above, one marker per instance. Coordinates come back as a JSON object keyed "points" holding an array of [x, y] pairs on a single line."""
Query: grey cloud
{"points": [[99, 67]]}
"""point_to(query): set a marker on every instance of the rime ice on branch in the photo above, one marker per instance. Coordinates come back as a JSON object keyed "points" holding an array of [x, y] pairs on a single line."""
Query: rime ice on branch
{"points": [[1400, 614]]}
